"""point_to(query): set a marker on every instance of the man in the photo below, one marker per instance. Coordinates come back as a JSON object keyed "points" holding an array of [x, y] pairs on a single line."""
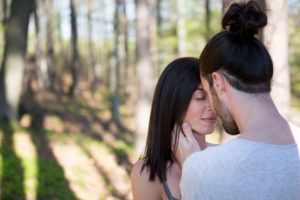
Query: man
{"points": [[263, 162]]}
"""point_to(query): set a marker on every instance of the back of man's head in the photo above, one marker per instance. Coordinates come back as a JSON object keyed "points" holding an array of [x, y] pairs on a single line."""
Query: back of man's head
{"points": [[237, 53]]}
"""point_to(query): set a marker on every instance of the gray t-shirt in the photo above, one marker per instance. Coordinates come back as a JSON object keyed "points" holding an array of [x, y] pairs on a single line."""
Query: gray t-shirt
{"points": [[242, 170]]}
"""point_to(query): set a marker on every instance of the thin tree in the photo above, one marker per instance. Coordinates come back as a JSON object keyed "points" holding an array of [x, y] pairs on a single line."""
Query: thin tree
{"points": [[74, 90], [181, 33], [92, 74], [126, 50], [144, 72], [50, 46], [11, 73], [159, 18], [115, 68], [4, 12], [153, 36], [207, 19], [38, 50]]}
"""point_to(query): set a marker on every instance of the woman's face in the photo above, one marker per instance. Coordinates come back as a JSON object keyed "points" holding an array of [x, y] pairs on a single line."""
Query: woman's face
{"points": [[200, 115]]}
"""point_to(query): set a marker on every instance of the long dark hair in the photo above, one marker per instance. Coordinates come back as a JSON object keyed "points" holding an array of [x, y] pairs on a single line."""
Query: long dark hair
{"points": [[237, 53], [173, 93]]}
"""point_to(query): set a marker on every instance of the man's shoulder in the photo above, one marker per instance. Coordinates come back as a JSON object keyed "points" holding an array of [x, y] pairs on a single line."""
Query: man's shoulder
{"points": [[208, 169], [223, 156]]}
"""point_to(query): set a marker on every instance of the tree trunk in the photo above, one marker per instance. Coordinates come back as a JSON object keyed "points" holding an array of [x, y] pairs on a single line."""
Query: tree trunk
{"points": [[115, 68], [59, 32], [226, 4], [153, 37], [92, 74], [11, 73], [158, 17], [38, 51], [74, 90], [275, 37], [207, 19], [129, 76], [50, 48], [145, 78], [181, 33], [126, 50], [4, 14]]}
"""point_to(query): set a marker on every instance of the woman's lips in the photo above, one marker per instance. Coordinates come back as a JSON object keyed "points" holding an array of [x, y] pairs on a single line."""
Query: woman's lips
{"points": [[210, 120]]}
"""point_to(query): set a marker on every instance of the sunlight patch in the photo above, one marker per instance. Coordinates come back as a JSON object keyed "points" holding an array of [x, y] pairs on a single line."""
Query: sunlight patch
{"points": [[26, 151], [80, 171]]}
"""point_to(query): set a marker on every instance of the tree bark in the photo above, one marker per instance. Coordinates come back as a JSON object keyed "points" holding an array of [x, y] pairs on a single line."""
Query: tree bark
{"points": [[158, 17], [153, 36], [74, 90], [181, 33], [145, 78], [207, 19], [226, 4], [115, 68], [50, 47], [275, 37], [4, 14], [38, 51], [11, 73], [92, 72], [126, 50]]}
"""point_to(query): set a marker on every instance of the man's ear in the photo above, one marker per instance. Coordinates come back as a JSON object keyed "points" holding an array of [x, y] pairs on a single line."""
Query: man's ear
{"points": [[218, 82]]}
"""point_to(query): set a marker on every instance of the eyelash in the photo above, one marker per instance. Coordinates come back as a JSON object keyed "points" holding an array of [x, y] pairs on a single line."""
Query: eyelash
{"points": [[203, 98]]}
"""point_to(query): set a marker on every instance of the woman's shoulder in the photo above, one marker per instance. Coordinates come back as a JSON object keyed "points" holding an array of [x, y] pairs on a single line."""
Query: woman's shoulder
{"points": [[142, 187], [142, 173]]}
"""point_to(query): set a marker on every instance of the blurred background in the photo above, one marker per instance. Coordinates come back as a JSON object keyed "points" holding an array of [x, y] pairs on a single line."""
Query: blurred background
{"points": [[77, 79]]}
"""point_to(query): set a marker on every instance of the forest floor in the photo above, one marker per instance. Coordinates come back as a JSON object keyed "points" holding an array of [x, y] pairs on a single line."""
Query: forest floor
{"points": [[68, 148]]}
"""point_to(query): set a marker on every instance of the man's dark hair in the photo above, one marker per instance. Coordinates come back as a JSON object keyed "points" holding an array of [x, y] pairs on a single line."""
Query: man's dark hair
{"points": [[237, 53]]}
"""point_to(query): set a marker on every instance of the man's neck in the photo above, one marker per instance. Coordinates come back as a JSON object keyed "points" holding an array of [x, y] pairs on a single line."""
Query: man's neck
{"points": [[259, 120]]}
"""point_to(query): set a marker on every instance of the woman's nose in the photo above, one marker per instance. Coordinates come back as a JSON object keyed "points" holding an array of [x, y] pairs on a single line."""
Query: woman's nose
{"points": [[209, 108]]}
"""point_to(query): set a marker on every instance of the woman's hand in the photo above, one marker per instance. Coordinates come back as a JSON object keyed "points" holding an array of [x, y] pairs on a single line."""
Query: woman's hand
{"points": [[187, 144]]}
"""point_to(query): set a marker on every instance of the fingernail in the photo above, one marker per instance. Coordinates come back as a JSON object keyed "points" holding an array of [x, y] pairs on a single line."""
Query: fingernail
{"points": [[185, 125]]}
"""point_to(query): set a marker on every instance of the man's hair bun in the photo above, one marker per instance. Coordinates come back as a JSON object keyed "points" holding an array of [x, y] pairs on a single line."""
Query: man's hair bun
{"points": [[244, 19]]}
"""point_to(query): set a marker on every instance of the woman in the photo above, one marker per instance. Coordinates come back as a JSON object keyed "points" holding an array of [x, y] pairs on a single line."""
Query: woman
{"points": [[178, 97]]}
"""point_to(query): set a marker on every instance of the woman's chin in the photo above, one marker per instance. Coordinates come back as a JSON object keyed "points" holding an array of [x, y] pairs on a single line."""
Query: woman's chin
{"points": [[206, 132]]}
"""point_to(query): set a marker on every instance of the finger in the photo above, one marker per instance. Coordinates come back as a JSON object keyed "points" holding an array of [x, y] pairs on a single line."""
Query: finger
{"points": [[173, 135], [182, 140], [173, 141], [188, 132]]}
